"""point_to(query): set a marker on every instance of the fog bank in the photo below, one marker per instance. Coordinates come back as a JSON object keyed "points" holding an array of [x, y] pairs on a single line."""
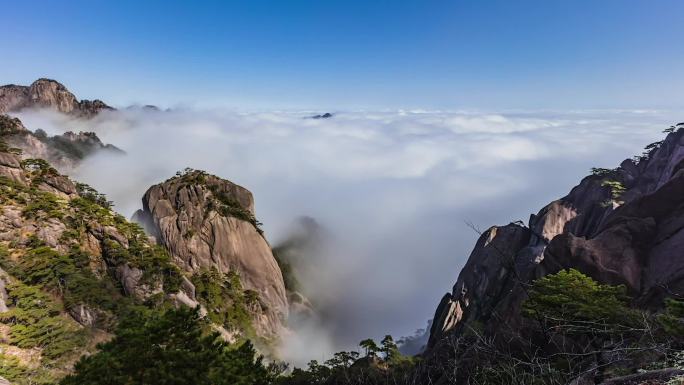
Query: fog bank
{"points": [[393, 188]]}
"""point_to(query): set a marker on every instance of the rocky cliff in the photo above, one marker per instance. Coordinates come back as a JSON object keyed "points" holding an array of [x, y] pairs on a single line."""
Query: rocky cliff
{"points": [[47, 93], [208, 223], [622, 226], [63, 151]]}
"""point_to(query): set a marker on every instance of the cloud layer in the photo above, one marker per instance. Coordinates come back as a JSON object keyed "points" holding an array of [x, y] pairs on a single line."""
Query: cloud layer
{"points": [[394, 188]]}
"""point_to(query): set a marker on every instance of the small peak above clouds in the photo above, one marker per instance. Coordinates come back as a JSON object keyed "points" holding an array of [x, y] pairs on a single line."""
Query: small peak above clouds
{"points": [[327, 115]]}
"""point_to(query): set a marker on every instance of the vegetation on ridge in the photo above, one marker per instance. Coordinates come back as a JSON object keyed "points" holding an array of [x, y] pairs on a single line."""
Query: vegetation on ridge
{"points": [[220, 201], [226, 302]]}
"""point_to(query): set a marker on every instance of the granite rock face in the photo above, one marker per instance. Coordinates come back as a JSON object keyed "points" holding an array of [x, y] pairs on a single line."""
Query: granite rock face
{"points": [[635, 239], [47, 93], [206, 222]]}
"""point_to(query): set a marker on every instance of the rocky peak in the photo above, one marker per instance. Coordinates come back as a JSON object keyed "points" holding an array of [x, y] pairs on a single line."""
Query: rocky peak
{"points": [[47, 93], [52, 94], [208, 223]]}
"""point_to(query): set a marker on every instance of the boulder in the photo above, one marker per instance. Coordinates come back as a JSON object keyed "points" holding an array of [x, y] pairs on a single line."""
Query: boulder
{"points": [[206, 222]]}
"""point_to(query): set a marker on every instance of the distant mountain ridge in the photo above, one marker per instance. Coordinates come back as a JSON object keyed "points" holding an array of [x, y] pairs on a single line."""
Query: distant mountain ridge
{"points": [[63, 151]]}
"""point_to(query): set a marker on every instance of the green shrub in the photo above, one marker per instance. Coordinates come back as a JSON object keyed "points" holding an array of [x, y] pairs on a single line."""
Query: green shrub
{"points": [[576, 304], [228, 206], [154, 261], [38, 169], [88, 193], [68, 275], [35, 321], [42, 204], [616, 191], [12, 369], [602, 172], [226, 302], [673, 318], [172, 348]]}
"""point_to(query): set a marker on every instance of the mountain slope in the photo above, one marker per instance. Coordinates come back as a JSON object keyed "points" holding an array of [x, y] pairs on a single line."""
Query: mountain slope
{"points": [[70, 269]]}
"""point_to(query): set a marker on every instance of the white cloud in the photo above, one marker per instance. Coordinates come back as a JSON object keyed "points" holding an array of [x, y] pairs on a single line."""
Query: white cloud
{"points": [[394, 188]]}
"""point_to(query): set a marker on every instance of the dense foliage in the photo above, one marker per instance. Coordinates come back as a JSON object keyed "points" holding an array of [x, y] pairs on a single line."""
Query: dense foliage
{"points": [[36, 321], [171, 347], [69, 276], [226, 302], [573, 303]]}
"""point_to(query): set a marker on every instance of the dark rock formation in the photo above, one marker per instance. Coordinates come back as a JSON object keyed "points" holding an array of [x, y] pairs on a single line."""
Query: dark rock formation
{"points": [[633, 237], [327, 115], [207, 222], [47, 93]]}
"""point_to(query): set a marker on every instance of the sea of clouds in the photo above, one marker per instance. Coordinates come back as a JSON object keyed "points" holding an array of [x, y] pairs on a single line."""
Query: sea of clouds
{"points": [[392, 188]]}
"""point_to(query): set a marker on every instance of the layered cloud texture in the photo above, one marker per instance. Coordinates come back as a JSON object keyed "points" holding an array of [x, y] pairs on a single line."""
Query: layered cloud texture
{"points": [[392, 188]]}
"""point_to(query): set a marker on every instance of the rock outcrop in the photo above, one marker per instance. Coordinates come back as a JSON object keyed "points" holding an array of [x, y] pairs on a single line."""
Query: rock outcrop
{"points": [[47, 93], [206, 222], [620, 226]]}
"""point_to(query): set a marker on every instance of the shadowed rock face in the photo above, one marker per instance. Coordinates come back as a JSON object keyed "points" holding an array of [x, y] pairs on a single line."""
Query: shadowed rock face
{"points": [[47, 93], [636, 240], [207, 222]]}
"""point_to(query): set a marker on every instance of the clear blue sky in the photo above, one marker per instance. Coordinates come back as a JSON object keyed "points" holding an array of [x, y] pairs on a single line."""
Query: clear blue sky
{"points": [[354, 54]]}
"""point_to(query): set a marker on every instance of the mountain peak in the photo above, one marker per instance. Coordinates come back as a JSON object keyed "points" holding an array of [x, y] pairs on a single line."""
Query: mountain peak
{"points": [[47, 93]]}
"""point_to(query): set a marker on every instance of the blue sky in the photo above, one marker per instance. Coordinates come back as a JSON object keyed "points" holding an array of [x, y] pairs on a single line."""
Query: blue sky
{"points": [[528, 54]]}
